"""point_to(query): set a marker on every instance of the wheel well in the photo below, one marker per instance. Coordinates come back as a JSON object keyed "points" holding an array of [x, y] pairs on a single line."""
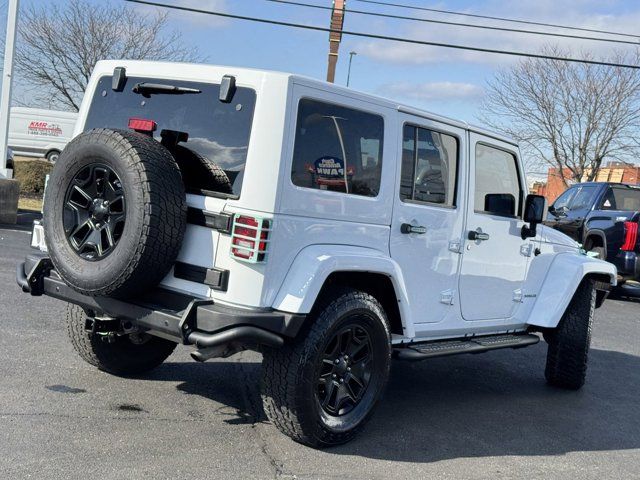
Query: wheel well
{"points": [[603, 286], [376, 284], [51, 150], [593, 240]]}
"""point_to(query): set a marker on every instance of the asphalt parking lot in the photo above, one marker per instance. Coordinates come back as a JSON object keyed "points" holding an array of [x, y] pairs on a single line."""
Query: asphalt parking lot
{"points": [[485, 416]]}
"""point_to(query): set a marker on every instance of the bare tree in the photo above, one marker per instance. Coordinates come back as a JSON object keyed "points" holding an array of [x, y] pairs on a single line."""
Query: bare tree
{"points": [[567, 115], [58, 47]]}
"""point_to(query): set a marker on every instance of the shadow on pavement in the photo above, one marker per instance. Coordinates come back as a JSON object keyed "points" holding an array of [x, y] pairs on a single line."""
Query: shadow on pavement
{"points": [[25, 221], [496, 404], [234, 385]]}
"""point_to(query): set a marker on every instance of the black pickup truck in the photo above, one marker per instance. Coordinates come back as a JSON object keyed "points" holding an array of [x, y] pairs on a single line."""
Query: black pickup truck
{"points": [[604, 217]]}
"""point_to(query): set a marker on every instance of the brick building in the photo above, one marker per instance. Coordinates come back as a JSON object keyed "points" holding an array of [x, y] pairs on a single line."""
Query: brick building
{"points": [[612, 172]]}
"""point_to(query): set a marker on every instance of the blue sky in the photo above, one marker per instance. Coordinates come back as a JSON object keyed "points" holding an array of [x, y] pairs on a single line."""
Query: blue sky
{"points": [[446, 81]]}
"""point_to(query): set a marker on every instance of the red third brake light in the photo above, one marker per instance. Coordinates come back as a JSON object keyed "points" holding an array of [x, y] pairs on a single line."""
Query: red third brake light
{"points": [[630, 236], [142, 125], [249, 238]]}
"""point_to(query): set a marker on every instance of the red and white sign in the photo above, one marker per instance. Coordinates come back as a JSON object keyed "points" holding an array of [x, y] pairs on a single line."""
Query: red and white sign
{"points": [[44, 129]]}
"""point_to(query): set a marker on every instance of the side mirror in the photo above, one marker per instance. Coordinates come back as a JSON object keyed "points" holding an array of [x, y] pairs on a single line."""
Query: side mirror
{"points": [[535, 207], [561, 212]]}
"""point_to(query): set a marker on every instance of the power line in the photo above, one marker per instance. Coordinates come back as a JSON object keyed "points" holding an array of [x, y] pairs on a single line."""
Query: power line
{"points": [[458, 24], [502, 19], [385, 37]]}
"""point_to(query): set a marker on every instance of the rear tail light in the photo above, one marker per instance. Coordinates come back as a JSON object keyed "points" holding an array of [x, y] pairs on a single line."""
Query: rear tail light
{"points": [[249, 238], [630, 236]]}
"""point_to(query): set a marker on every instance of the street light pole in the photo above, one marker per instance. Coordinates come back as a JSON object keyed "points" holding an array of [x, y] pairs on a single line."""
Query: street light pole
{"points": [[7, 77], [351, 54]]}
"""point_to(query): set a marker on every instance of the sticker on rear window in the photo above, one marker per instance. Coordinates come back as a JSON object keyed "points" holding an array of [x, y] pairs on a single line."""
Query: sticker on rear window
{"points": [[330, 171]]}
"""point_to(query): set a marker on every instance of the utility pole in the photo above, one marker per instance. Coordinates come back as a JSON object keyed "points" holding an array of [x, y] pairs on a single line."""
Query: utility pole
{"points": [[7, 76], [337, 22], [351, 55]]}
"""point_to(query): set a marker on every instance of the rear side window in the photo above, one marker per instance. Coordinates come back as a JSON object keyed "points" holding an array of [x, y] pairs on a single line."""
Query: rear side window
{"points": [[429, 161], [218, 131], [337, 149], [622, 199]]}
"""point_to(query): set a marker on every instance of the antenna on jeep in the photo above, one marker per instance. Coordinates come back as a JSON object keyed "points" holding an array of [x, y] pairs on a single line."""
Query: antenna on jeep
{"points": [[344, 152]]}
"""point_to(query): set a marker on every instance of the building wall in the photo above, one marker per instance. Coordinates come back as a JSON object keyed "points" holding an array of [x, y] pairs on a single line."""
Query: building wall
{"points": [[613, 172]]}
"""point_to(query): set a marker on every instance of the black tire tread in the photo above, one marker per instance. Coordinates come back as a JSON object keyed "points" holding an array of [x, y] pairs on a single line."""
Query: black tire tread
{"points": [[164, 205], [118, 358], [568, 350], [281, 371], [200, 173]]}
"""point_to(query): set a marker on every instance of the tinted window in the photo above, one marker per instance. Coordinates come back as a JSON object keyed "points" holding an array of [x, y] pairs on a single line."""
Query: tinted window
{"points": [[497, 188], [219, 131], [429, 161], [583, 198], [338, 149], [563, 200], [622, 198]]}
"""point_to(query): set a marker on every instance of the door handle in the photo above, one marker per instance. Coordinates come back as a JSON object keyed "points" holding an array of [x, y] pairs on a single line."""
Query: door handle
{"points": [[478, 235], [408, 228]]}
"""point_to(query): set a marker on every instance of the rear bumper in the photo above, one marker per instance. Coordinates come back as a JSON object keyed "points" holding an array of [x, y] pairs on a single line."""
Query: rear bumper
{"points": [[628, 264], [168, 314]]}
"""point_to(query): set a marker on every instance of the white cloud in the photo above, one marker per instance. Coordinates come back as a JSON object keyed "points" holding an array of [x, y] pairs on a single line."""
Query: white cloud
{"points": [[433, 91], [580, 13]]}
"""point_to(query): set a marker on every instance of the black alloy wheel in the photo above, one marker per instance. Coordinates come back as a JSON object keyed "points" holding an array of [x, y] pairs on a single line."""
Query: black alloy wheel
{"points": [[344, 371], [94, 212], [114, 213], [322, 387]]}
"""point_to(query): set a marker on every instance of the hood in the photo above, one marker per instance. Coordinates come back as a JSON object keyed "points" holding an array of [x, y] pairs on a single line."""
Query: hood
{"points": [[550, 235]]}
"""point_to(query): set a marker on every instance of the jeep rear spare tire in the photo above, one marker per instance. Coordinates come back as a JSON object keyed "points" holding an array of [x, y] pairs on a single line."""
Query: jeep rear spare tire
{"points": [[114, 213], [200, 173]]}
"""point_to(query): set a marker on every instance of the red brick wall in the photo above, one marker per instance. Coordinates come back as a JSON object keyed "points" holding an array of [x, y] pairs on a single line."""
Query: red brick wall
{"points": [[611, 173]]}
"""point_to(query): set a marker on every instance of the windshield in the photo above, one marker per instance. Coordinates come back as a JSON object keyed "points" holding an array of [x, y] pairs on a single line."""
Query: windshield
{"points": [[218, 131]]}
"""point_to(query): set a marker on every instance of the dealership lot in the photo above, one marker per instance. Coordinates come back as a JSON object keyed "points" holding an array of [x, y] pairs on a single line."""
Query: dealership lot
{"points": [[488, 416]]}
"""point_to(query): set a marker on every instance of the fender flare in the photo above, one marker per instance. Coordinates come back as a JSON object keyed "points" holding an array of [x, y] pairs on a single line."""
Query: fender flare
{"points": [[313, 265], [560, 284]]}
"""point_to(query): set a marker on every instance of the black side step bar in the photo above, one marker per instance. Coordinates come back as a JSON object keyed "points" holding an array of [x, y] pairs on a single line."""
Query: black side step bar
{"points": [[443, 348]]}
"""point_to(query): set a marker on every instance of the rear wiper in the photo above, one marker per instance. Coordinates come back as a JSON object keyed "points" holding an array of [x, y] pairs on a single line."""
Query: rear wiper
{"points": [[145, 88]]}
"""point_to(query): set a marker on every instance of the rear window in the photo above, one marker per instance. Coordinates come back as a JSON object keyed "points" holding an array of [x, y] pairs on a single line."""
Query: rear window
{"points": [[622, 199], [218, 131], [337, 149]]}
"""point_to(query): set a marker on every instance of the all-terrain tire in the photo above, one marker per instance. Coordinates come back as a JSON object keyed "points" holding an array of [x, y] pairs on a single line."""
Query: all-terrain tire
{"points": [[200, 173], [122, 357], [154, 210], [289, 374], [569, 343]]}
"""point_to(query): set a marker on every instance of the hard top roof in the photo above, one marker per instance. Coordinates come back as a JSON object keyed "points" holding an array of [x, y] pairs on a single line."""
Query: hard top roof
{"points": [[155, 67]]}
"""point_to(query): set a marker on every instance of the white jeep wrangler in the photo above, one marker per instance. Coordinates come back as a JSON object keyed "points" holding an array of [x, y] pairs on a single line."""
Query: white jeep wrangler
{"points": [[231, 209]]}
